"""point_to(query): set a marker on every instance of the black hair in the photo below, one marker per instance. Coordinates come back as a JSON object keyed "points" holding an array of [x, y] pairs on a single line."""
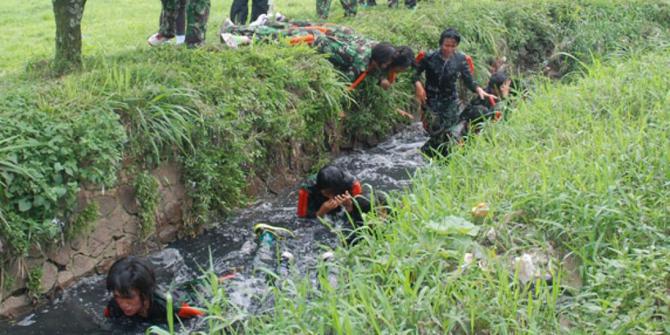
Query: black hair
{"points": [[131, 273], [382, 53], [496, 81], [403, 57], [450, 33], [334, 179]]}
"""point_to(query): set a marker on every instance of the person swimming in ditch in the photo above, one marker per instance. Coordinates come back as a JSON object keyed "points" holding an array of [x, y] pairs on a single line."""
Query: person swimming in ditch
{"points": [[334, 192], [132, 282]]}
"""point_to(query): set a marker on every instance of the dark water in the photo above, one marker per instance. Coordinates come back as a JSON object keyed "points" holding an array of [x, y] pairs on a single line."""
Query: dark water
{"points": [[232, 246]]}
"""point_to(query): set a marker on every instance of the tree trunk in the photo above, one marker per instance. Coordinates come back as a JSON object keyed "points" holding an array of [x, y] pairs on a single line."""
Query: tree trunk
{"points": [[68, 14]]}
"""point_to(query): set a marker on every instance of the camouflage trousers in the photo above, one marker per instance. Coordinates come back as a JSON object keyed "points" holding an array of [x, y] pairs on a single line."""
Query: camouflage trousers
{"points": [[197, 13], [408, 3], [323, 7], [239, 10]]}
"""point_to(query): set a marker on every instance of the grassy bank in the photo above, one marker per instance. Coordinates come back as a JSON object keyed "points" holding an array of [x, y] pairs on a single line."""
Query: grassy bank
{"points": [[578, 170], [221, 117]]}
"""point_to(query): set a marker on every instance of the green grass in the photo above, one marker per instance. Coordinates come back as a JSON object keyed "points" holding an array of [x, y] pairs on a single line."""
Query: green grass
{"points": [[107, 28]]}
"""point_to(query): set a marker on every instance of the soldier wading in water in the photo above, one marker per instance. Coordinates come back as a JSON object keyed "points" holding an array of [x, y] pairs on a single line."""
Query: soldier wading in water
{"points": [[439, 95]]}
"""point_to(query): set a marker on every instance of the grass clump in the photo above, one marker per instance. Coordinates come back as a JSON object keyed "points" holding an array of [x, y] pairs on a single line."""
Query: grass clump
{"points": [[577, 169]]}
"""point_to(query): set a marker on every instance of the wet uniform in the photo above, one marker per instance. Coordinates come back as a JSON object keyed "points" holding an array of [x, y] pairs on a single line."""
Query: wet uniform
{"points": [[479, 109], [442, 95]]}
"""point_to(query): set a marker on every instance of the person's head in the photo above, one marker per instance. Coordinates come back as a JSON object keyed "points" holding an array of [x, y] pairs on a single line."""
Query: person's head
{"points": [[449, 40], [382, 55], [403, 59], [332, 181], [132, 282], [497, 64], [499, 84]]}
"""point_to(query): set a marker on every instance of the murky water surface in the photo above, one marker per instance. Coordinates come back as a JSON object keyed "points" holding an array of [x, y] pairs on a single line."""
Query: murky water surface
{"points": [[232, 246]]}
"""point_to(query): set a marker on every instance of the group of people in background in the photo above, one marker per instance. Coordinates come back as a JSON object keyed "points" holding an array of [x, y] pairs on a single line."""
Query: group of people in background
{"points": [[185, 21]]}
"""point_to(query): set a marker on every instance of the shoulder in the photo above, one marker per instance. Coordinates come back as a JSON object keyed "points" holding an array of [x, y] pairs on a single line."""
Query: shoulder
{"points": [[432, 54], [460, 56]]}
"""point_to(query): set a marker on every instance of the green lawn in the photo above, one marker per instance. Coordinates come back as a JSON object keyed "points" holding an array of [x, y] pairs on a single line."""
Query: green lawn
{"points": [[108, 27]]}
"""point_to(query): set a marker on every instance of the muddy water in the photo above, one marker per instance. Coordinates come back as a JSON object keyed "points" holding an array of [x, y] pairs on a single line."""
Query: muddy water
{"points": [[232, 246]]}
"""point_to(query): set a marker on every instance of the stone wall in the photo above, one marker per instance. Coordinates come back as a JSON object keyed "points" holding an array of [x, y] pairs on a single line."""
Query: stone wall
{"points": [[114, 234]]}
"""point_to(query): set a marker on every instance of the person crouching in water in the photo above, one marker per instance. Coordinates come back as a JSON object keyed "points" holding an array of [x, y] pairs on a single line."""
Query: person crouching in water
{"points": [[480, 110], [333, 189], [132, 282]]}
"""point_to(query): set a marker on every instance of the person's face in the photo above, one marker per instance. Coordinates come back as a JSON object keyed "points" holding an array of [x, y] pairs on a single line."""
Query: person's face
{"points": [[448, 47], [130, 305]]}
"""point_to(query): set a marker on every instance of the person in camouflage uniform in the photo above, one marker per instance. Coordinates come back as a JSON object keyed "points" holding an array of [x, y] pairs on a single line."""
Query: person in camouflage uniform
{"points": [[355, 56], [323, 7], [408, 3], [197, 13], [439, 96], [239, 10], [480, 110]]}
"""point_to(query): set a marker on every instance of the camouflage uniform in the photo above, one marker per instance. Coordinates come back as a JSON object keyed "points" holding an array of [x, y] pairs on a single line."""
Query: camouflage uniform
{"points": [[323, 7], [408, 3], [197, 13], [349, 53], [239, 10], [442, 114]]}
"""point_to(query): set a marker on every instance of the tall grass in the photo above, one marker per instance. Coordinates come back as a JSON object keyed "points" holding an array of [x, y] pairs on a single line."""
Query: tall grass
{"points": [[577, 170]]}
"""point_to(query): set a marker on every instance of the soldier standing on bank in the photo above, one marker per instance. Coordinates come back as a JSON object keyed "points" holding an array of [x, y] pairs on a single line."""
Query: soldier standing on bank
{"points": [[408, 3], [197, 13], [323, 7], [239, 10]]}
